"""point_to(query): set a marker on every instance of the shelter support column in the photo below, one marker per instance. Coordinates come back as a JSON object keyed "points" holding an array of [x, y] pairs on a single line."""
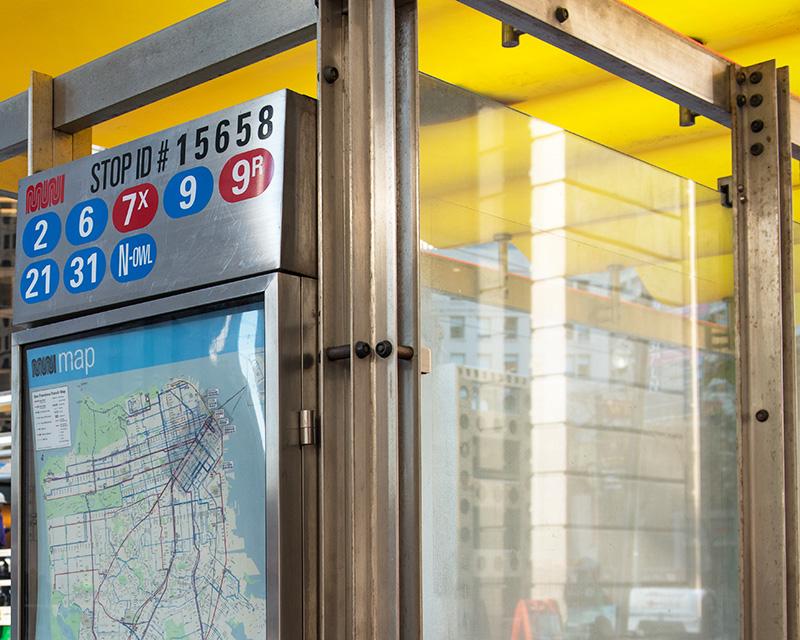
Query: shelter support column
{"points": [[368, 252], [49, 147], [765, 348]]}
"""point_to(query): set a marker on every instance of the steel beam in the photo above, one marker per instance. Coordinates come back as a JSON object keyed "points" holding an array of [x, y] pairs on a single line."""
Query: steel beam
{"points": [[219, 40], [628, 44], [408, 321], [14, 125], [765, 350], [372, 105], [789, 350], [335, 493], [367, 214]]}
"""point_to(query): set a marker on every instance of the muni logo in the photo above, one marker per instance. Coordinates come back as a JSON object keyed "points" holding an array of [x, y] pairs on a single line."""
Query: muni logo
{"points": [[63, 362], [44, 194]]}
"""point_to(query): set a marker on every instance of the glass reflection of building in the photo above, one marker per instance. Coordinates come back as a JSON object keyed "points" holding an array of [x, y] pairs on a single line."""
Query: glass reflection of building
{"points": [[579, 424]]}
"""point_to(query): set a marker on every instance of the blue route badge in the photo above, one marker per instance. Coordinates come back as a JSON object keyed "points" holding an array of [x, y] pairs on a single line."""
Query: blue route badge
{"points": [[41, 234], [84, 270], [86, 221], [188, 192], [133, 258], [39, 281]]}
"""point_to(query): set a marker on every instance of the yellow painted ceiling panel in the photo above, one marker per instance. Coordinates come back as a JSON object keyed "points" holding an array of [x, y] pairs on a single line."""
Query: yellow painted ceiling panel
{"points": [[457, 44], [462, 46], [54, 36], [724, 24], [549, 84]]}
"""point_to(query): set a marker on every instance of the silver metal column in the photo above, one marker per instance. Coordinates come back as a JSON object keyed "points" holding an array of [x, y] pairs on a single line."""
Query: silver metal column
{"points": [[368, 292], [408, 319], [335, 494], [765, 349]]}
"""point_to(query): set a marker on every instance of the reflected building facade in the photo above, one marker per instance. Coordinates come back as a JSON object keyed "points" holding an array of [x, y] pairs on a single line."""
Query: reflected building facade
{"points": [[579, 428]]}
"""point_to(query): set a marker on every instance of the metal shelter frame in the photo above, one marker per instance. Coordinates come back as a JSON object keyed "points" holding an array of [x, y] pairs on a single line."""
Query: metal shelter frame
{"points": [[368, 556]]}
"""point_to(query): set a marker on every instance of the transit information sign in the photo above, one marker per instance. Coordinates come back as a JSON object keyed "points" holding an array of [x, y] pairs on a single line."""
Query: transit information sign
{"points": [[150, 480], [225, 196]]}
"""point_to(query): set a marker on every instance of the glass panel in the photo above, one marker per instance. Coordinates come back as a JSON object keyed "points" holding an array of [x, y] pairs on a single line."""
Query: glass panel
{"points": [[579, 425]]}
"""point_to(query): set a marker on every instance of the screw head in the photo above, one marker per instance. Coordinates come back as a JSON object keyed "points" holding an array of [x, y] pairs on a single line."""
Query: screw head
{"points": [[756, 126], [384, 348], [562, 15], [330, 74], [741, 78], [741, 100], [762, 415], [757, 149], [755, 77], [756, 100], [362, 349]]}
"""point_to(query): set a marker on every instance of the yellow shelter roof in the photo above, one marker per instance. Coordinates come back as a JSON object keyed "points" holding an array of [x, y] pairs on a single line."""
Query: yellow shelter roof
{"points": [[462, 46], [457, 44]]}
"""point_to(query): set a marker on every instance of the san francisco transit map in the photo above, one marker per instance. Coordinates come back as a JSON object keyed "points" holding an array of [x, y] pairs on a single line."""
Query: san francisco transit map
{"points": [[150, 468]]}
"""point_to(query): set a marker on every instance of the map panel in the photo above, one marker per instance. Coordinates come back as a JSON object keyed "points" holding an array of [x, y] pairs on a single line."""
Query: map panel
{"points": [[151, 481]]}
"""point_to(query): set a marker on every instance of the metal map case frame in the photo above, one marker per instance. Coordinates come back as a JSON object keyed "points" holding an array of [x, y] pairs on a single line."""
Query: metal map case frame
{"points": [[290, 343], [225, 196]]}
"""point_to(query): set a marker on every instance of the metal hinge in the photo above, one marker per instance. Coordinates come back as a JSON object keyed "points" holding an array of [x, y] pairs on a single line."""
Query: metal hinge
{"points": [[308, 432]]}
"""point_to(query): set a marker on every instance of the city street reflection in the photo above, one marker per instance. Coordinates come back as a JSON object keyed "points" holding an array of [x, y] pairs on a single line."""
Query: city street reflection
{"points": [[579, 425]]}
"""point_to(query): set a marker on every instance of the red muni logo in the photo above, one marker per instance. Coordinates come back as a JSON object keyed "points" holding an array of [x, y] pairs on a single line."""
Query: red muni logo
{"points": [[44, 194]]}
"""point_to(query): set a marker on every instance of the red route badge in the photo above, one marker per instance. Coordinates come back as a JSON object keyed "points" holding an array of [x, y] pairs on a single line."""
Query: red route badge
{"points": [[135, 207], [246, 175]]}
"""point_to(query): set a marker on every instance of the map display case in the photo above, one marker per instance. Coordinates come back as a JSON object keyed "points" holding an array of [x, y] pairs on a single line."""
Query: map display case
{"points": [[164, 384], [162, 476]]}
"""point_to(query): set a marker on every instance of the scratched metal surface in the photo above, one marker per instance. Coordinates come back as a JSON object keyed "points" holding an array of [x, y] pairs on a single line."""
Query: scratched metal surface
{"points": [[224, 241]]}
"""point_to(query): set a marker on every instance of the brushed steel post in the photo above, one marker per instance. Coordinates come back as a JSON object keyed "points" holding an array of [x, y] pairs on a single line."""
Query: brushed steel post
{"points": [[765, 350], [367, 265]]}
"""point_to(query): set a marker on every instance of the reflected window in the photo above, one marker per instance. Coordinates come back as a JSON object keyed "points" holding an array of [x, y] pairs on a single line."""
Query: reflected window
{"points": [[457, 327], [511, 327], [511, 362], [583, 365]]}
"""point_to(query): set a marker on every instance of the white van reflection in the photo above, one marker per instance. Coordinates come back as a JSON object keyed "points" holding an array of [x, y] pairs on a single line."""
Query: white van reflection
{"points": [[669, 612]]}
